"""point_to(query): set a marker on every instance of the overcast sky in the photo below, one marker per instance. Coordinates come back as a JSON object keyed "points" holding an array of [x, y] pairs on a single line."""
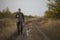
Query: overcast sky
{"points": [[28, 7]]}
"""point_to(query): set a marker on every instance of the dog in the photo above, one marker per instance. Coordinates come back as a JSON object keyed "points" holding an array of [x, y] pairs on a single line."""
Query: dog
{"points": [[28, 31]]}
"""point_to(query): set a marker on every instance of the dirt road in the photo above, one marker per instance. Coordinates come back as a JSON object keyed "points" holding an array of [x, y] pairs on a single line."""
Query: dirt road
{"points": [[31, 32]]}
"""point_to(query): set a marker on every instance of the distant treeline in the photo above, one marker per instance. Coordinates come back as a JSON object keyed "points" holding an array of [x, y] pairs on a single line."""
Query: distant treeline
{"points": [[6, 13], [52, 12]]}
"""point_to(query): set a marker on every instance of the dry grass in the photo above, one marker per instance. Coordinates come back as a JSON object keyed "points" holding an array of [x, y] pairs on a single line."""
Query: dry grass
{"points": [[51, 27], [7, 27]]}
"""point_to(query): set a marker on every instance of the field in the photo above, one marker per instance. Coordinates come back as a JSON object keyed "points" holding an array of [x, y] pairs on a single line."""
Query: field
{"points": [[8, 27], [50, 27]]}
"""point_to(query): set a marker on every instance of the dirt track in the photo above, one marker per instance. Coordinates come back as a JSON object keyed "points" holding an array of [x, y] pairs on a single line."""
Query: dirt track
{"points": [[33, 34]]}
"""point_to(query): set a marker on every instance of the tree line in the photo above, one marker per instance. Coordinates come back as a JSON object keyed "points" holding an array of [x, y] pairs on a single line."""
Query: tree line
{"points": [[53, 9], [6, 13], [52, 12]]}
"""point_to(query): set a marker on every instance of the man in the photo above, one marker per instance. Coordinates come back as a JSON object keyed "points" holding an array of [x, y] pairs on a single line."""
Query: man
{"points": [[20, 20]]}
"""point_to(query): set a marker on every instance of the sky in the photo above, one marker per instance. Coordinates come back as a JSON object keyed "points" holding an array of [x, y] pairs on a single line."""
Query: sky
{"points": [[28, 7]]}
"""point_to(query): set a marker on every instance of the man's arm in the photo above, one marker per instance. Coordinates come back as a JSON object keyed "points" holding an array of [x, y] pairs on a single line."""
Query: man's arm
{"points": [[23, 16], [16, 15]]}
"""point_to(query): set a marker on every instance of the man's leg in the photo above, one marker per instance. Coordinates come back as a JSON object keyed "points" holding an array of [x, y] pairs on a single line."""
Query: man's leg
{"points": [[18, 29], [21, 28]]}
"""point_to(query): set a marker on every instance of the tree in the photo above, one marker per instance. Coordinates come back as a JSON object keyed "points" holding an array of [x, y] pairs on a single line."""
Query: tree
{"points": [[7, 13], [53, 9], [1, 15]]}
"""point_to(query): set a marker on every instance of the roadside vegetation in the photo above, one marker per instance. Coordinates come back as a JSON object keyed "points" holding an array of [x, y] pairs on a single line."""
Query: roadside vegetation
{"points": [[51, 27]]}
